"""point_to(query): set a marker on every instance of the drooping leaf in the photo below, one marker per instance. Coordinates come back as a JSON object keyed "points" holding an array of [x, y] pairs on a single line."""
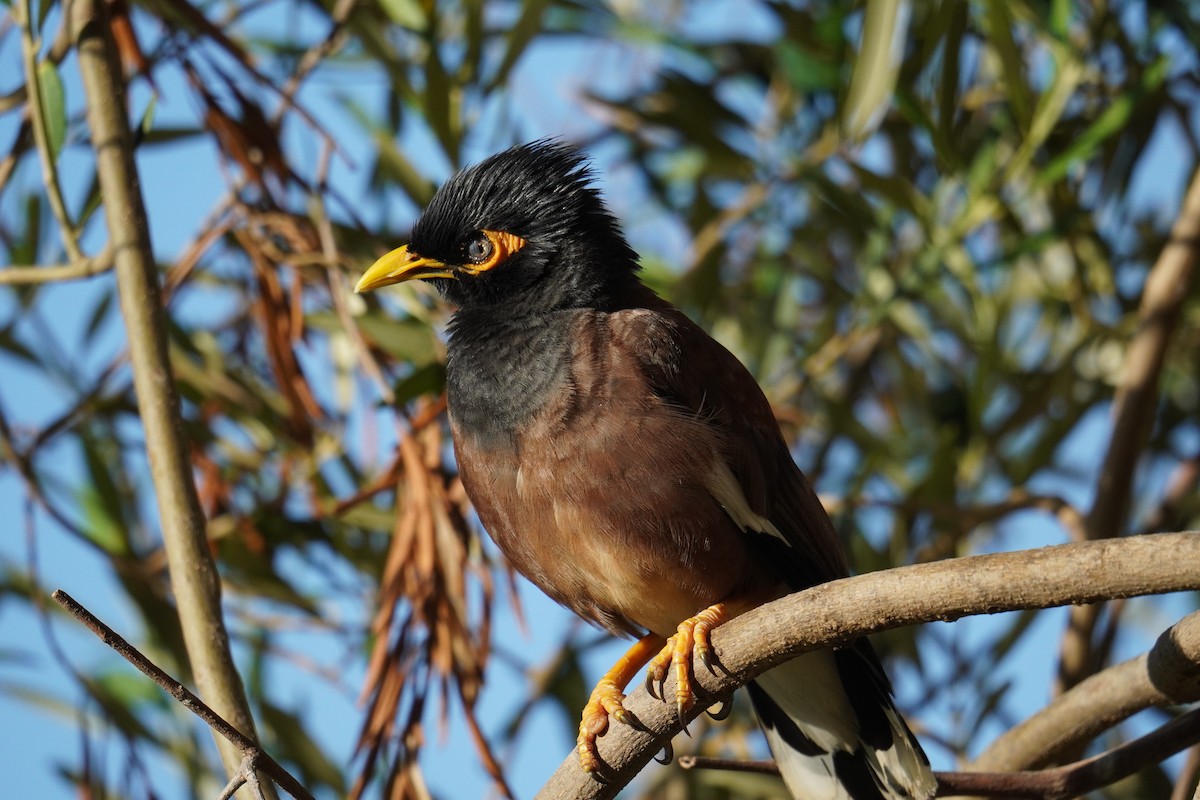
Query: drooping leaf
{"points": [[54, 106]]}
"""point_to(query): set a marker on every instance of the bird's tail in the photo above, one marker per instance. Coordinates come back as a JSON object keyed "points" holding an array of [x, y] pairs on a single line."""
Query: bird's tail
{"points": [[834, 732]]}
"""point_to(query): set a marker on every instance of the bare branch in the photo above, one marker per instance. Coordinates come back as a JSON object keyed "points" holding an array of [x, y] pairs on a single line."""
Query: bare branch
{"points": [[1060, 783], [1166, 675], [189, 560], [838, 612], [85, 267], [253, 757], [1185, 782]]}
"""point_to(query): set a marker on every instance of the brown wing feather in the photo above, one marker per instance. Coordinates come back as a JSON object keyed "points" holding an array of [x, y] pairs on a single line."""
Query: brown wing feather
{"points": [[688, 367]]}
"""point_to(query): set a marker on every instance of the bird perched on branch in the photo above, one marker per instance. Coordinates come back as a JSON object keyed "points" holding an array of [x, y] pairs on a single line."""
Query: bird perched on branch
{"points": [[630, 466]]}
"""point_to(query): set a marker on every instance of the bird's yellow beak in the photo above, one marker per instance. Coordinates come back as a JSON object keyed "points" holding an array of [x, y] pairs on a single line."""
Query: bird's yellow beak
{"points": [[401, 265]]}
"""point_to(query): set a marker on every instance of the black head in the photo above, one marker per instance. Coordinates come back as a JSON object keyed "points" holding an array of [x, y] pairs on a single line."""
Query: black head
{"points": [[524, 230]]}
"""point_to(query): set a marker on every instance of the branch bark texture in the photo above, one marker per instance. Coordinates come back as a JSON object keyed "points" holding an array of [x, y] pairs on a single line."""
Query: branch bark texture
{"points": [[193, 574], [838, 612]]}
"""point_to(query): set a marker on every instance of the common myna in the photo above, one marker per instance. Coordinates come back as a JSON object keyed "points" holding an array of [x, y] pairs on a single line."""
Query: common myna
{"points": [[630, 466]]}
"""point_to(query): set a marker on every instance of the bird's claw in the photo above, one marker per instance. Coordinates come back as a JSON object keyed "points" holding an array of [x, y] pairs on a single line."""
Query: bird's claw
{"points": [[656, 673], [666, 755], [691, 636], [724, 709], [607, 701]]}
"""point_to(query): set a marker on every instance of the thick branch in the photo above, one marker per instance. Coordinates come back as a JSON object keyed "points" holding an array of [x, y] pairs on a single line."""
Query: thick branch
{"points": [[193, 573], [1168, 674], [838, 612]]}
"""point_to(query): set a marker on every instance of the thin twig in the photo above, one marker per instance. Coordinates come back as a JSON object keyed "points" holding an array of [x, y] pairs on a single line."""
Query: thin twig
{"points": [[85, 267], [761, 767], [37, 115], [338, 292], [1060, 783], [247, 747], [23, 461], [246, 776]]}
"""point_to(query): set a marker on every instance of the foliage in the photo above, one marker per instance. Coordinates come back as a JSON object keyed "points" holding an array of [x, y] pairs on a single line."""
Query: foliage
{"points": [[932, 259]]}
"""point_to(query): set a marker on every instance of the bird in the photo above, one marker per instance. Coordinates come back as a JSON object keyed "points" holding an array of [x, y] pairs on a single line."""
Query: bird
{"points": [[631, 467]]}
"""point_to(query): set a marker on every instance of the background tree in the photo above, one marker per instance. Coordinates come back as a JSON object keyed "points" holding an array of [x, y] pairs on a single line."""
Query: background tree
{"points": [[938, 234]]}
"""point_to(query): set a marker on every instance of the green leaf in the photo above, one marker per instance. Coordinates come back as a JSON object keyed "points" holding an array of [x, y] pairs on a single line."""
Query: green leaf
{"points": [[91, 201], [440, 102], [146, 122], [423, 380], [54, 107], [407, 339], [957, 16], [121, 695], [97, 318], [1012, 61], [1059, 21], [14, 347], [873, 81], [102, 498], [807, 71], [44, 9], [100, 527], [168, 135], [1111, 122], [405, 13], [369, 516]]}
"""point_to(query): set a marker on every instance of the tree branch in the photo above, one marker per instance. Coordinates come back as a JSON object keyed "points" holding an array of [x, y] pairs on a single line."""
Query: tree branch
{"points": [[838, 612], [1060, 783], [85, 267], [193, 574], [253, 756], [1133, 413], [1168, 674]]}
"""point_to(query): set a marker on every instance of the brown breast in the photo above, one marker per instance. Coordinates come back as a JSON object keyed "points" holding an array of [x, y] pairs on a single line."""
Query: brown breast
{"points": [[605, 500]]}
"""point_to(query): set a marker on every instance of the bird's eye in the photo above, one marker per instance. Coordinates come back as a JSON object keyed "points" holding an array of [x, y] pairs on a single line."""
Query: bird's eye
{"points": [[480, 249], [488, 249]]}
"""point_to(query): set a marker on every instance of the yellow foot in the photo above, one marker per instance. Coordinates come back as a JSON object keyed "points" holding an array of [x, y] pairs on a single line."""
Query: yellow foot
{"points": [[692, 636], [607, 700]]}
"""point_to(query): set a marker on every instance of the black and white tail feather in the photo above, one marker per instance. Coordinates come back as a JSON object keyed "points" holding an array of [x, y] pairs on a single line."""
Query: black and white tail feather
{"points": [[834, 732]]}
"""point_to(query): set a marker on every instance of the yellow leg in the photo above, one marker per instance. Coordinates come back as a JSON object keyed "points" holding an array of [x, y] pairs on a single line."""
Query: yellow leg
{"points": [[692, 635], [607, 697]]}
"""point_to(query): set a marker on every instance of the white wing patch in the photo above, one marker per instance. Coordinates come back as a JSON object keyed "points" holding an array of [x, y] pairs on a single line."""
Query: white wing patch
{"points": [[725, 489]]}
